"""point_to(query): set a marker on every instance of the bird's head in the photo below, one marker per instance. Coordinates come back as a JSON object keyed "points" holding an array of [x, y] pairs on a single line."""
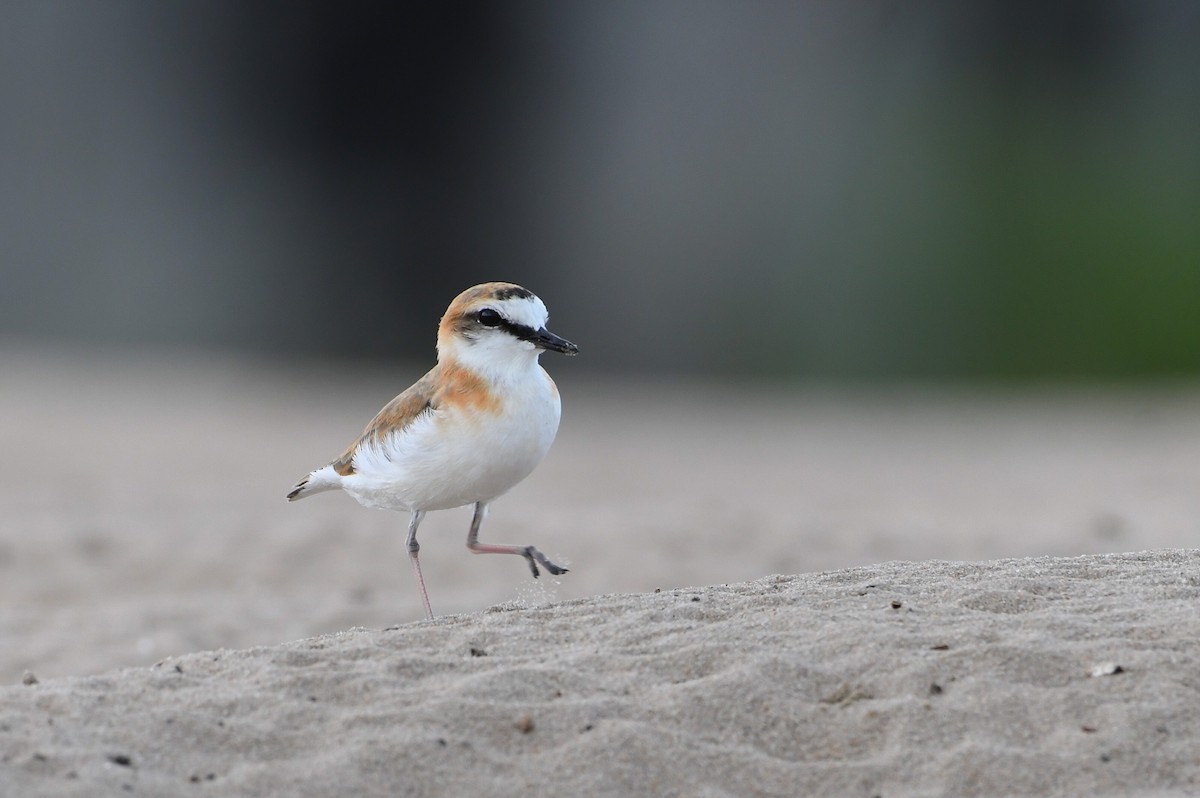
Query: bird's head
{"points": [[492, 325]]}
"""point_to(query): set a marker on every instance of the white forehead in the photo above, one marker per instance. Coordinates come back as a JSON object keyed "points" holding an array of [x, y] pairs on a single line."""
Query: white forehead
{"points": [[530, 312]]}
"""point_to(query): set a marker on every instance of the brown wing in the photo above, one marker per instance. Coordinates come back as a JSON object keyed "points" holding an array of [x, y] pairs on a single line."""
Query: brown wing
{"points": [[395, 415]]}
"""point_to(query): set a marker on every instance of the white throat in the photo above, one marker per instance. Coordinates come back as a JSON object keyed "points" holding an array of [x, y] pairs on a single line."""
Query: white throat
{"points": [[497, 357]]}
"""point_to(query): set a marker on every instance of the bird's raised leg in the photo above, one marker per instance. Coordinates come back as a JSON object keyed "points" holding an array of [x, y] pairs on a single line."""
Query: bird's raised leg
{"points": [[528, 552], [413, 548]]}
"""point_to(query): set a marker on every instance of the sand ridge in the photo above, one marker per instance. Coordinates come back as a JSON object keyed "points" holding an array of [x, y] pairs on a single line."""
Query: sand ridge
{"points": [[1029, 676]]}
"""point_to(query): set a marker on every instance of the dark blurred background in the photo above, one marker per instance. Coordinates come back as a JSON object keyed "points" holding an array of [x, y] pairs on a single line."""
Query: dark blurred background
{"points": [[834, 190]]}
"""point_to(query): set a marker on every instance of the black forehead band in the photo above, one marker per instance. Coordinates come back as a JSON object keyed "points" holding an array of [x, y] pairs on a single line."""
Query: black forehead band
{"points": [[512, 291]]}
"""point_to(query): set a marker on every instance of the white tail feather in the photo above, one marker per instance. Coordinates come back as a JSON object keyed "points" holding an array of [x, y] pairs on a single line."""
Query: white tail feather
{"points": [[320, 480]]}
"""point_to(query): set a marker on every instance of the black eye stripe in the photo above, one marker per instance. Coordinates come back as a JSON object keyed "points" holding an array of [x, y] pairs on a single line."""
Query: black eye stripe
{"points": [[517, 330], [492, 319]]}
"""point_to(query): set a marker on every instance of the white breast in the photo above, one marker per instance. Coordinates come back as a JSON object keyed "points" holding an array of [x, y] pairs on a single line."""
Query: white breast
{"points": [[460, 455]]}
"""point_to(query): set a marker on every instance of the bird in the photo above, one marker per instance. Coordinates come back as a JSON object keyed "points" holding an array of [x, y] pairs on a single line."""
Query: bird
{"points": [[473, 427]]}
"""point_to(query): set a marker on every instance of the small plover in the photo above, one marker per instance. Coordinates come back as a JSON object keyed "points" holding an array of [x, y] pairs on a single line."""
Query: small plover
{"points": [[473, 427]]}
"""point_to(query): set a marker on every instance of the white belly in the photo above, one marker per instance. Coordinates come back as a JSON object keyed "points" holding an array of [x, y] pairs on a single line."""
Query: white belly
{"points": [[457, 456]]}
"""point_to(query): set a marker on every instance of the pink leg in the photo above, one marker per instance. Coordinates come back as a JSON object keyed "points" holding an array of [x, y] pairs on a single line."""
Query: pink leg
{"points": [[413, 548], [528, 552]]}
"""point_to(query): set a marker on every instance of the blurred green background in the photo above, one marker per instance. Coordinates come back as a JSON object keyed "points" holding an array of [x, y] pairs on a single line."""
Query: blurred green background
{"points": [[858, 190]]}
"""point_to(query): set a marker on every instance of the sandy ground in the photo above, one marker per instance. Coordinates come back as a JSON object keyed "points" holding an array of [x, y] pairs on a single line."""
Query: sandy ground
{"points": [[143, 519], [1036, 676]]}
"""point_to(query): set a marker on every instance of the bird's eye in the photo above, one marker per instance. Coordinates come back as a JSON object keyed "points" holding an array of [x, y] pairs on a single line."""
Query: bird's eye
{"points": [[488, 318]]}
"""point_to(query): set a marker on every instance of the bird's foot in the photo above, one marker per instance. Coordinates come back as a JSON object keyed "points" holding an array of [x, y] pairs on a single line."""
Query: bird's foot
{"points": [[534, 557]]}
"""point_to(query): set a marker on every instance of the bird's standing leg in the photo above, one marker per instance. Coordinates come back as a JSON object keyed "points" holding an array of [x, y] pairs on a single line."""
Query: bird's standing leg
{"points": [[413, 548], [528, 552]]}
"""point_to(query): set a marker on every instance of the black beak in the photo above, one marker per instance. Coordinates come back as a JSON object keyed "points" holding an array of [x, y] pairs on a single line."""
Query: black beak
{"points": [[544, 339]]}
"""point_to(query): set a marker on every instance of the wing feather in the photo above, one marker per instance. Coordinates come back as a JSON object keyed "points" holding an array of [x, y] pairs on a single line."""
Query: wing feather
{"points": [[395, 416]]}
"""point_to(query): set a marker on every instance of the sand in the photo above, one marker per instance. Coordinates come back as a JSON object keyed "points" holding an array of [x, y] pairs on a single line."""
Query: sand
{"points": [[144, 522], [1068, 676]]}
